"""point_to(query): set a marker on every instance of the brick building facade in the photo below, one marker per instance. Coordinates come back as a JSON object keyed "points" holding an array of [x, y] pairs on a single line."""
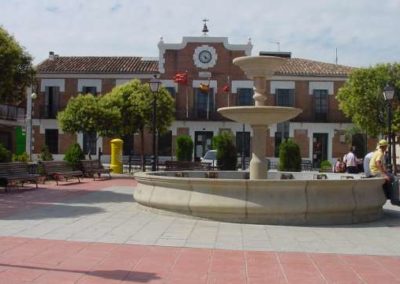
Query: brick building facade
{"points": [[301, 83]]}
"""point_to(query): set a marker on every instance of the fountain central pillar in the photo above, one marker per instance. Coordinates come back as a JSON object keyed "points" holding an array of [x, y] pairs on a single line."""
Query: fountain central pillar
{"points": [[258, 164]]}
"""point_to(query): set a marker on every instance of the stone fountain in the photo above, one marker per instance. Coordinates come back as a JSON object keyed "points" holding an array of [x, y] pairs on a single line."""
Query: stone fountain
{"points": [[265, 197], [259, 69]]}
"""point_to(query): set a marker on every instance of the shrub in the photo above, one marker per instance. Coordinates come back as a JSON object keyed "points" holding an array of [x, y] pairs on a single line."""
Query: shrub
{"points": [[226, 151], [74, 155], [45, 154], [184, 148], [5, 155], [326, 166], [289, 156], [20, 158]]}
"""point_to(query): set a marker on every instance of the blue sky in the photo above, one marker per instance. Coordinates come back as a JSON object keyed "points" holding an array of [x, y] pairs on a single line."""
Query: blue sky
{"points": [[365, 32]]}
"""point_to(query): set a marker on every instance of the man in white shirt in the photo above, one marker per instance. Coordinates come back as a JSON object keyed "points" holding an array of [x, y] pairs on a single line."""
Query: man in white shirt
{"points": [[351, 162]]}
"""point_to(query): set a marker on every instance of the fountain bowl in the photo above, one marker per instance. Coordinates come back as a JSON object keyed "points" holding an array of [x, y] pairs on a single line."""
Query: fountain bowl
{"points": [[259, 115], [259, 66]]}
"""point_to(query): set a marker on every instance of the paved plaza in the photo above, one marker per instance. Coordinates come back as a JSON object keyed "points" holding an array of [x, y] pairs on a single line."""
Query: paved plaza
{"points": [[94, 232]]}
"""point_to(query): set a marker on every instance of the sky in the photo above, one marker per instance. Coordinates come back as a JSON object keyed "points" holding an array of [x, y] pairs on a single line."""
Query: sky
{"points": [[364, 32]]}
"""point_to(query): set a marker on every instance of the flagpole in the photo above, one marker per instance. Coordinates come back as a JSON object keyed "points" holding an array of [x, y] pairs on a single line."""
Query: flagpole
{"points": [[229, 92], [187, 102]]}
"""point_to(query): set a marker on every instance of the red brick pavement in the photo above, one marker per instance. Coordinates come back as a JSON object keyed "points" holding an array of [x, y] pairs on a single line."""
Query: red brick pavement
{"points": [[24, 260]]}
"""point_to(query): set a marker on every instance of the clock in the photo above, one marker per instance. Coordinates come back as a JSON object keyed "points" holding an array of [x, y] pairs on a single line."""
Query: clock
{"points": [[205, 56]]}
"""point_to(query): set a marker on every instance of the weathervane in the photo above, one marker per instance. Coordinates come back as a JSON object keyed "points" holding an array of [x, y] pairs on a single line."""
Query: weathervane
{"points": [[205, 28]]}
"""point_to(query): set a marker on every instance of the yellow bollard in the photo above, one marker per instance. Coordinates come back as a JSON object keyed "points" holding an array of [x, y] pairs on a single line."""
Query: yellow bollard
{"points": [[116, 156]]}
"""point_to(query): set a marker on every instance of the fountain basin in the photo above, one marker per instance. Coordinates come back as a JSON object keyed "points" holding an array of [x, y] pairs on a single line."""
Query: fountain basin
{"points": [[259, 115], [228, 196], [259, 66]]}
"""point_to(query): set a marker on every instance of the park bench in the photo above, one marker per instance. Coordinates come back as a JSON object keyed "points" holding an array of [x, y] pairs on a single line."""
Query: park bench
{"points": [[91, 168], [186, 165], [16, 172], [59, 170]]}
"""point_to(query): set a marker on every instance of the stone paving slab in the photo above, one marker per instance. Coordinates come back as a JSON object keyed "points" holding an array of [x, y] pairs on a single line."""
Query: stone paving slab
{"points": [[51, 233]]}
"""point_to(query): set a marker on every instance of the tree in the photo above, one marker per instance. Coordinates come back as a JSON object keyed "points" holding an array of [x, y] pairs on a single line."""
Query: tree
{"points": [[134, 101], [289, 156], [184, 148], [361, 97], [16, 68], [226, 151], [85, 113]]}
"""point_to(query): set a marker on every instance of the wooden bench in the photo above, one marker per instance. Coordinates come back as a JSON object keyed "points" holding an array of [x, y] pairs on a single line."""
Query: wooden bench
{"points": [[91, 168], [16, 172], [186, 165], [59, 170]]}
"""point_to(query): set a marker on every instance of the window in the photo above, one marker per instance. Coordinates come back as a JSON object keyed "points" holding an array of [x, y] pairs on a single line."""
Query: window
{"points": [[320, 104], [204, 105], [52, 98], [51, 140], [90, 143], [165, 144], [282, 133], [171, 91], [245, 97], [243, 143], [285, 97], [89, 90]]}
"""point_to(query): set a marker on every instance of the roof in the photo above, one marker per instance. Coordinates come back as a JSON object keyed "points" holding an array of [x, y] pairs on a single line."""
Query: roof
{"points": [[305, 67], [140, 65], [98, 64]]}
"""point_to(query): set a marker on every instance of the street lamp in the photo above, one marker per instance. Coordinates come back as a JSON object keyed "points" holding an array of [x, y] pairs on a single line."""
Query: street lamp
{"points": [[388, 94], [154, 87], [29, 98]]}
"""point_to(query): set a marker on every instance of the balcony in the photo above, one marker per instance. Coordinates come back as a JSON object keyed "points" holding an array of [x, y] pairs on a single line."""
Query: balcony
{"points": [[13, 113], [198, 115]]}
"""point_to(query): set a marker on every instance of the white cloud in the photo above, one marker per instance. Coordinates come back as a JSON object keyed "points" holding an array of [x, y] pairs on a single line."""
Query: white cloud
{"points": [[363, 31]]}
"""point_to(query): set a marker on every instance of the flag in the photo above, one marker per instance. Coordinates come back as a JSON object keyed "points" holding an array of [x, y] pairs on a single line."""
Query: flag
{"points": [[204, 88], [180, 78], [226, 88]]}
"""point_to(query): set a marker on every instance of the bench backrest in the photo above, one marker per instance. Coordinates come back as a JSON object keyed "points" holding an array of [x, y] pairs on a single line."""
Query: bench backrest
{"points": [[185, 165], [88, 165], [13, 169], [51, 167]]}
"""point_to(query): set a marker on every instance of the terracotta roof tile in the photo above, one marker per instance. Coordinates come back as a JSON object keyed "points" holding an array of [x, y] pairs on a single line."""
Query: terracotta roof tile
{"points": [[305, 67], [95, 64]]}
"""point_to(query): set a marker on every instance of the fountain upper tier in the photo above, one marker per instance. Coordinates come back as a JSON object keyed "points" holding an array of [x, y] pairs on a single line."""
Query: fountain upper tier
{"points": [[259, 66], [259, 115]]}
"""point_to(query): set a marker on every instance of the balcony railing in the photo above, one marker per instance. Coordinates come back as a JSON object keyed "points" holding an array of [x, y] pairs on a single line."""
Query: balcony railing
{"points": [[9, 112]]}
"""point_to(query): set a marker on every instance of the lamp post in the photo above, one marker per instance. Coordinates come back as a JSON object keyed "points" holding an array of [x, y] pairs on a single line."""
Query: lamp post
{"points": [[388, 94], [29, 98], [154, 87]]}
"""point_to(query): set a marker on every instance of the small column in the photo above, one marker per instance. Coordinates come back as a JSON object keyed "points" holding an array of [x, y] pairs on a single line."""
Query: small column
{"points": [[258, 163], [260, 86]]}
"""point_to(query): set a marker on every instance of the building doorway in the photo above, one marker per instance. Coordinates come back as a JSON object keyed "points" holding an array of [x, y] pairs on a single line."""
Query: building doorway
{"points": [[320, 148], [202, 143]]}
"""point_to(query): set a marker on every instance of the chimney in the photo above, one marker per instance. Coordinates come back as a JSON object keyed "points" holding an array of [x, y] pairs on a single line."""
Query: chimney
{"points": [[51, 55]]}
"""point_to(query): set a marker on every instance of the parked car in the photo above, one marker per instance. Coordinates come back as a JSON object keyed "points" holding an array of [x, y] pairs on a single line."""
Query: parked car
{"points": [[210, 157]]}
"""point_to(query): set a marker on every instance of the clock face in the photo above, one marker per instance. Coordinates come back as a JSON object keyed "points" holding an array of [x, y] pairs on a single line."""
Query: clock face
{"points": [[205, 56]]}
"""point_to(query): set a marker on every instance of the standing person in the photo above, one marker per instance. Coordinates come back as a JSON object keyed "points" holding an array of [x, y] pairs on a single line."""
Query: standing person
{"points": [[350, 160], [366, 161], [377, 166]]}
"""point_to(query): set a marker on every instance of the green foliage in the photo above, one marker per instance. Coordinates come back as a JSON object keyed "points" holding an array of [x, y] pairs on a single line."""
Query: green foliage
{"points": [[361, 97], [5, 155], [16, 68], [45, 154], [184, 148], [74, 155], [289, 156], [85, 113], [20, 158], [326, 165], [226, 151]]}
